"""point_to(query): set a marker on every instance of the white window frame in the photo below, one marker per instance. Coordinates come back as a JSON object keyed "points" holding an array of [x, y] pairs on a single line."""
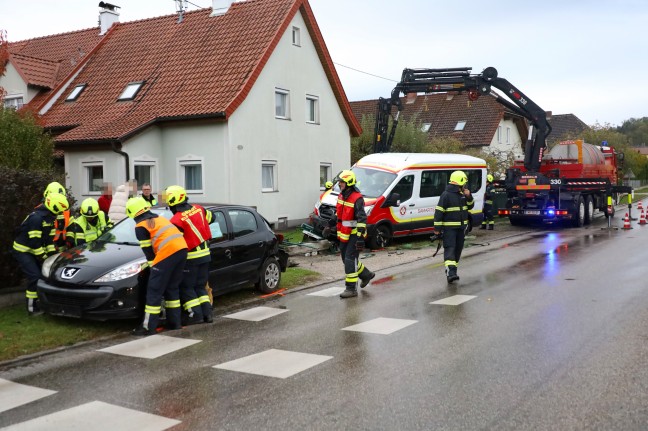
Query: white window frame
{"points": [[131, 91], [85, 168], [286, 93], [145, 160], [296, 36], [508, 135], [191, 160], [499, 134], [75, 93], [17, 98], [273, 165], [327, 176], [312, 101], [461, 125]]}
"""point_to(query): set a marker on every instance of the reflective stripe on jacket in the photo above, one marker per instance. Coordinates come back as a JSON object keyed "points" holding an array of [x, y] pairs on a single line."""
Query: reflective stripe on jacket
{"points": [[452, 209], [350, 209], [81, 231], [35, 233], [163, 240], [194, 224]]}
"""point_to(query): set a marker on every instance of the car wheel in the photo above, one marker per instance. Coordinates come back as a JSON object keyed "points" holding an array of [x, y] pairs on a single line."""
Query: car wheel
{"points": [[382, 237], [269, 276]]}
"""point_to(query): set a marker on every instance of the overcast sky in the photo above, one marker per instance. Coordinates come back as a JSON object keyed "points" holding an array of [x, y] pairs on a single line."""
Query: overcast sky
{"points": [[586, 57]]}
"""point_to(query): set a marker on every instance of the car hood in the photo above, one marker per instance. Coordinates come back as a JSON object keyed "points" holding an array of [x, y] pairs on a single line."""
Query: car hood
{"points": [[84, 264]]}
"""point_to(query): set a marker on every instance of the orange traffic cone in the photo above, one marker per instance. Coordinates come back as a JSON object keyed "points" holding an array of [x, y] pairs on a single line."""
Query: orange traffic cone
{"points": [[626, 222], [642, 218]]}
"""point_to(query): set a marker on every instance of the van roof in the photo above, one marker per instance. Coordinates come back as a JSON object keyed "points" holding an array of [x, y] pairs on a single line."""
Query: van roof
{"points": [[395, 162]]}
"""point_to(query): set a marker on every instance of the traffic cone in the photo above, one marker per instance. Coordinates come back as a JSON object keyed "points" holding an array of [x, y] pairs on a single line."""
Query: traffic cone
{"points": [[626, 222], [642, 219], [639, 206]]}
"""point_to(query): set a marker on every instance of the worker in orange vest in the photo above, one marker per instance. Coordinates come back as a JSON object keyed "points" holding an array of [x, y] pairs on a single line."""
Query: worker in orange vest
{"points": [[166, 252], [62, 220]]}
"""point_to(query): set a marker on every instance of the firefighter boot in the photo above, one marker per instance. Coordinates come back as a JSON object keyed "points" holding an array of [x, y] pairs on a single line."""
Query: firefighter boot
{"points": [[191, 316], [491, 226], [452, 274], [173, 319], [349, 292], [33, 309], [150, 321], [207, 312], [365, 277], [483, 226]]}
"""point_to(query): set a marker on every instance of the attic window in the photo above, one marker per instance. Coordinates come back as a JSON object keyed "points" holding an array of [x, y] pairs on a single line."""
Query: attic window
{"points": [[296, 37], [425, 127], [75, 93], [131, 90], [460, 126]]}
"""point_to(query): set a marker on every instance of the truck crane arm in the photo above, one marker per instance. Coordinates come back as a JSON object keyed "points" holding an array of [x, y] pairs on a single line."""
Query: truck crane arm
{"points": [[460, 79]]}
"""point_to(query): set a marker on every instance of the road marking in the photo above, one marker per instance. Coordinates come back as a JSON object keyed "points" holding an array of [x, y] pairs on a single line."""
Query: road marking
{"points": [[381, 325], [16, 394], [331, 291], [274, 363], [256, 314], [96, 416], [454, 300], [150, 347]]}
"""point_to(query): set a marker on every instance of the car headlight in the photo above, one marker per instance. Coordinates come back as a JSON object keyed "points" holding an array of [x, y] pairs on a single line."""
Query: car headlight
{"points": [[47, 265], [368, 209], [124, 271]]}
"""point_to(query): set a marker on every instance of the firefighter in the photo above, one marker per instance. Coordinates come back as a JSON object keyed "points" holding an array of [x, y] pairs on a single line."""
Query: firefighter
{"points": [[34, 243], [63, 219], [351, 222], [166, 252], [488, 221], [328, 186], [90, 226], [193, 221], [451, 220], [147, 195]]}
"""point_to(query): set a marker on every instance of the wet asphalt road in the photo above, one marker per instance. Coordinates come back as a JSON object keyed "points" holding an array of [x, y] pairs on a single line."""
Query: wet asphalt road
{"points": [[555, 339]]}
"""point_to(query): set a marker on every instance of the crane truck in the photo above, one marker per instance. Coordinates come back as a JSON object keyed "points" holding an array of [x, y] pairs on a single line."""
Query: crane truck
{"points": [[566, 186]]}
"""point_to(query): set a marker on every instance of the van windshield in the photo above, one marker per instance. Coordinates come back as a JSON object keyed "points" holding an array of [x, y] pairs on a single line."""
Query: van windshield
{"points": [[372, 182]]}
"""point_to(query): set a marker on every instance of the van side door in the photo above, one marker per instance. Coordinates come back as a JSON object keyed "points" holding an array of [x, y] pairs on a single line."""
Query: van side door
{"points": [[402, 215], [433, 183]]}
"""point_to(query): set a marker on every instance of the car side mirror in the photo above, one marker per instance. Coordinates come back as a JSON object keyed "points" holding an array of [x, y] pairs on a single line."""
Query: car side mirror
{"points": [[393, 200]]}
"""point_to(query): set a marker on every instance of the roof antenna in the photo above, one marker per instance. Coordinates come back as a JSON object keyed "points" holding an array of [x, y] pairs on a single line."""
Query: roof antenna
{"points": [[181, 7]]}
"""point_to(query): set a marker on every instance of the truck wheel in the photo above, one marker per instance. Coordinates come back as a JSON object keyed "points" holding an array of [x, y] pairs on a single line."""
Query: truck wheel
{"points": [[589, 209], [382, 238], [579, 213]]}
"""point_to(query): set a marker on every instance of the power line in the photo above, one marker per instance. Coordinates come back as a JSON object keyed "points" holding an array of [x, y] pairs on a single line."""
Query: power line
{"points": [[366, 73]]}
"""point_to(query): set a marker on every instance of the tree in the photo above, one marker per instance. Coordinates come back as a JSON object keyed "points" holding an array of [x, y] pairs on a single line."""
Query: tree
{"points": [[636, 130], [24, 144]]}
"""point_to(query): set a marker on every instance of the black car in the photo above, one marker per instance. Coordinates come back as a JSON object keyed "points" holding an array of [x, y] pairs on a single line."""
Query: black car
{"points": [[107, 279]]}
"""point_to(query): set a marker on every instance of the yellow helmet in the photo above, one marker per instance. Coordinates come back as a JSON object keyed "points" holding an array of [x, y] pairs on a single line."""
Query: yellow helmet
{"points": [[136, 206], [175, 195], [459, 178], [89, 208], [489, 178], [328, 185], [54, 187], [56, 203], [347, 177]]}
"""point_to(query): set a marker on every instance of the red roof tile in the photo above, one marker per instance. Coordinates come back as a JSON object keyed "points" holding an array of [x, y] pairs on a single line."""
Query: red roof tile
{"points": [[202, 67], [36, 71], [443, 111]]}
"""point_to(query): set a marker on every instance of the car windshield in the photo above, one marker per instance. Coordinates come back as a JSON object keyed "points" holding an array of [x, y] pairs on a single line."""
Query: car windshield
{"points": [[372, 182], [124, 231]]}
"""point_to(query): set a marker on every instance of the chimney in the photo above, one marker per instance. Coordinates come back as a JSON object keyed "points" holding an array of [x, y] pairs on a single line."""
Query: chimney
{"points": [[108, 16], [220, 7]]}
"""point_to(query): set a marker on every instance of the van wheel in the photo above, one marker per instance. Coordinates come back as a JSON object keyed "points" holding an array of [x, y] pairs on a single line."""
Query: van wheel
{"points": [[382, 238]]}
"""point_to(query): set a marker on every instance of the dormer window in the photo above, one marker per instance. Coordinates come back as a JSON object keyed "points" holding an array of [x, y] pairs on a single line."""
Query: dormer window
{"points": [[131, 90], [460, 126], [75, 93]]}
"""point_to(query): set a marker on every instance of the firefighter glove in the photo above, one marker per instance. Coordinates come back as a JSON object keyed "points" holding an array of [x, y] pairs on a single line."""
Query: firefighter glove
{"points": [[362, 232]]}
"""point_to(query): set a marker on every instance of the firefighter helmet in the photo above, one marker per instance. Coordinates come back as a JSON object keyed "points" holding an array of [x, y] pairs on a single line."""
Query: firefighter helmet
{"points": [[489, 178], [459, 178], [328, 185], [175, 195], [56, 203], [136, 206], [89, 208], [54, 187], [347, 177]]}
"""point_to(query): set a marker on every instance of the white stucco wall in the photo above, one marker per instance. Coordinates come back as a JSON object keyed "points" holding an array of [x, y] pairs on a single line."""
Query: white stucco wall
{"points": [[502, 146], [14, 85]]}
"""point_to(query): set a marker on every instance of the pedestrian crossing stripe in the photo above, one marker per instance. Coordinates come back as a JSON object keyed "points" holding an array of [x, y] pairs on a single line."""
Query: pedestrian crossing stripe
{"points": [[150, 347], [274, 363], [454, 300], [381, 325], [256, 314], [16, 394]]}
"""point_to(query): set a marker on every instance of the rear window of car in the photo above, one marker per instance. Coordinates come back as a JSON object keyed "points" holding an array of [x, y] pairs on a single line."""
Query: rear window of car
{"points": [[243, 222]]}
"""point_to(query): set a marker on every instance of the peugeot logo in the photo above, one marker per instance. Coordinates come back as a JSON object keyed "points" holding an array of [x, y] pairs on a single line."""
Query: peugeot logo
{"points": [[68, 273]]}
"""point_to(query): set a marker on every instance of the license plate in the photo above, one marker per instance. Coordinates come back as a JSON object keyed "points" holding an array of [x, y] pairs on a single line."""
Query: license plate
{"points": [[68, 311], [532, 212]]}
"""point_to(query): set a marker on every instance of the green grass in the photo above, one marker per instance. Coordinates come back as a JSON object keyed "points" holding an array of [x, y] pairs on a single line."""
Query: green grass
{"points": [[295, 277]]}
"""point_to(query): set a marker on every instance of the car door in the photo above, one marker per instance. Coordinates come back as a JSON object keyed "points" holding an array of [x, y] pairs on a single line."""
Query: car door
{"points": [[220, 247], [248, 245]]}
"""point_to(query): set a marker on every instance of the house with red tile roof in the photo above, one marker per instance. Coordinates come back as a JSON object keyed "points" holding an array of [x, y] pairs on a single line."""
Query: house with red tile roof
{"points": [[483, 123], [238, 103]]}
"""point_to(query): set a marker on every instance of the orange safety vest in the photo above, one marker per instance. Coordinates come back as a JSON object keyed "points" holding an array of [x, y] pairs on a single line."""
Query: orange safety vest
{"points": [[345, 212], [166, 239], [194, 225], [60, 229]]}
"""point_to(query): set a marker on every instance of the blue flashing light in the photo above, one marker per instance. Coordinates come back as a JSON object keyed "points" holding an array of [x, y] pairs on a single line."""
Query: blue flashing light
{"points": [[551, 213]]}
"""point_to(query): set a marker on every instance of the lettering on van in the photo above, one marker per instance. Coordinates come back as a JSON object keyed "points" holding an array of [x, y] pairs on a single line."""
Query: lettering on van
{"points": [[425, 210]]}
